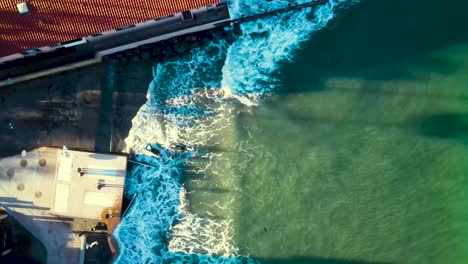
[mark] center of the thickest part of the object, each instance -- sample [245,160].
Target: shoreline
[68,109]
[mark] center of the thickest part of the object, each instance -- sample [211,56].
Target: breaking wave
[193,100]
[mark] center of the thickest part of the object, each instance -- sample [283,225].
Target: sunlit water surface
[351,146]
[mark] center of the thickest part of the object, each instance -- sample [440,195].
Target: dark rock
[146,56]
[230,37]
[135,59]
[206,41]
[145,47]
[192,38]
[156,51]
[124,60]
[168,53]
[113,60]
[181,48]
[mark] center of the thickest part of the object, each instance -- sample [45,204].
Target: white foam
[254,58]
[186,104]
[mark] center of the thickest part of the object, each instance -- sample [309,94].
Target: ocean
[333,135]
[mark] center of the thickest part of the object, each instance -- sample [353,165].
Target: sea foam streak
[186,104]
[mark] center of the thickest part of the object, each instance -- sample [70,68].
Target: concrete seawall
[65,108]
[92,49]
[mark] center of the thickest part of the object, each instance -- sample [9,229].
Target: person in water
[155,151]
[179,147]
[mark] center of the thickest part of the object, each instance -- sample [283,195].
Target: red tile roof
[55,21]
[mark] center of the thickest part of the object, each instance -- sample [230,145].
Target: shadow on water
[292,260]
[314,260]
[447,126]
[380,40]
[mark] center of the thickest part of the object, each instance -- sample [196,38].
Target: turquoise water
[349,147]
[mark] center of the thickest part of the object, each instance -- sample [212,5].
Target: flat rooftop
[50,21]
[46,194]
[87,184]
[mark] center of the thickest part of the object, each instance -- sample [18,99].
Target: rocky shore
[168,49]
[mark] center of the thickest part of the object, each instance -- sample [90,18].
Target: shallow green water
[363,155]
[358,175]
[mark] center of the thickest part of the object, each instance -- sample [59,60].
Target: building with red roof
[49,22]
[43,37]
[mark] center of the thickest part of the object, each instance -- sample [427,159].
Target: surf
[194,100]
